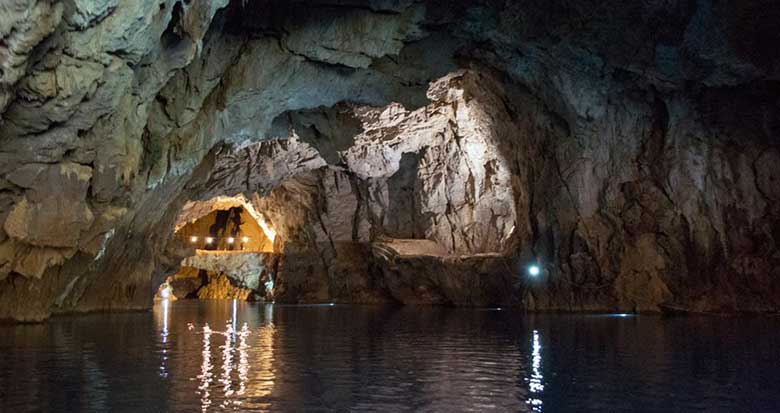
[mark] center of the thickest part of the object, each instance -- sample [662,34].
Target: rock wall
[248,270]
[652,220]
[194,283]
[630,148]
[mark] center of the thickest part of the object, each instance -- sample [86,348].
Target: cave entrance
[230,252]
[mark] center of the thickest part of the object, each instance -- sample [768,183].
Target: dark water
[189,356]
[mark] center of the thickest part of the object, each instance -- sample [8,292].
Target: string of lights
[211,240]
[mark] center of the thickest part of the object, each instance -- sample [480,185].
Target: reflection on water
[228,355]
[535,381]
[235,357]
[164,338]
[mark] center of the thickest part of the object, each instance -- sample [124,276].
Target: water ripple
[219,356]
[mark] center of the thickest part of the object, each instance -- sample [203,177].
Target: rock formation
[412,151]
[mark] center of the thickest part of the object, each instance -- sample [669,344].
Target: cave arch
[638,170]
[329,190]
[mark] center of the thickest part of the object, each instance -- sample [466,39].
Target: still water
[225,355]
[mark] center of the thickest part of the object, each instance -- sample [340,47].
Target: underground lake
[192,355]
[390,205]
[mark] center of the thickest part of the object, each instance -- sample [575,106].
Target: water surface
[225,355]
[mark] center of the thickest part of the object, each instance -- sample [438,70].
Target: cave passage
[414,152]
[232,254]
[377,205]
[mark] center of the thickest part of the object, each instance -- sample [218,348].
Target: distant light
[193,239]
[245,239]
[534,270]
[332,304]
[165,292]
[621,315]
[231,240]
[209,240]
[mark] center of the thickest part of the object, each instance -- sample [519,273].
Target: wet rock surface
[195,283]
[630,148]
[245,269]
[416,272]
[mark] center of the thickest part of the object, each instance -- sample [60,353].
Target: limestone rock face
[220,287]
[245,269]
[418,274]
[630,148]
[190,282]
[439,172]
[353,38]
[23,24]
[52,211]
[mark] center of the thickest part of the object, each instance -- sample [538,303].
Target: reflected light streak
[236,344]
[234,318]
[269,313]
[243,360]
[535,382]
[227,363]
[205,370]
[264,377]
[164,339]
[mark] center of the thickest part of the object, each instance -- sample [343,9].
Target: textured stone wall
[632,146]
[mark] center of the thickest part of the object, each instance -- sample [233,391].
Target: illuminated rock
[630,146]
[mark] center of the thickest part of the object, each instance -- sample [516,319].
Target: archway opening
[364,204]
[231,252]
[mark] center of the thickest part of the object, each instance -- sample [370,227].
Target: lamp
[209,240]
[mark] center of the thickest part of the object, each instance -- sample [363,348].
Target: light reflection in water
[164,338]
[263,372]
[243,360]
[535,384]
[205,375]
[227,363]
[344,358]
[234,318]
[232,385]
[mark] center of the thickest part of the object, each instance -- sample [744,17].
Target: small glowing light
[621,315]
[534,270]
[245,239]
[165,292]
[231,240]
[209,240]
[193,239]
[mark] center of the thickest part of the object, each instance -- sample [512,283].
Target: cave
[234,252]
[596,169]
